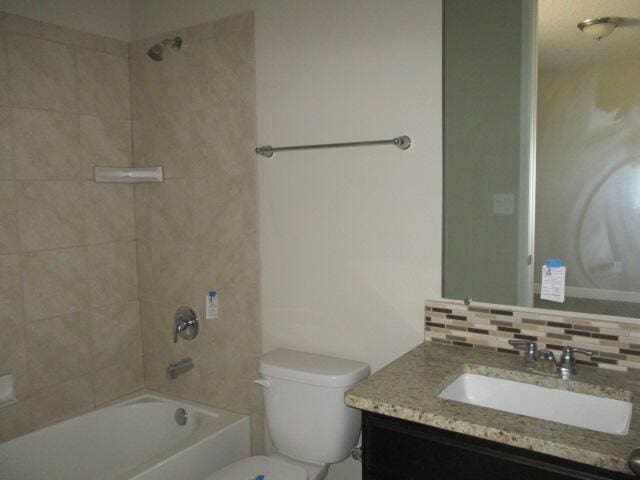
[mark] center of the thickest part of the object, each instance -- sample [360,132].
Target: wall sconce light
[599,27]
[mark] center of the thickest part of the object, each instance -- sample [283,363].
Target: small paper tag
[212,305]
[553,283]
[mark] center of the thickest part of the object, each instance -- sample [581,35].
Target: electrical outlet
[504,203]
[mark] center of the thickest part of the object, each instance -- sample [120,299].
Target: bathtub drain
[181,416]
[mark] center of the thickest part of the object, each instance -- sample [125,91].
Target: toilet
[309,424]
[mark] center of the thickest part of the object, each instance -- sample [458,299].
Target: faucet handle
[567,363]
[569,350]
[530,347]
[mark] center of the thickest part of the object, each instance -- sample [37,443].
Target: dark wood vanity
[395,449]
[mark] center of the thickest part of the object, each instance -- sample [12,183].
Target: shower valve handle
[185,324]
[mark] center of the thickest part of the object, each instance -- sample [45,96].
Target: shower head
[156,52]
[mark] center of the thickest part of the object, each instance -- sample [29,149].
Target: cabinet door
[395,450]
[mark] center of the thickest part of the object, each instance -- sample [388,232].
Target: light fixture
[599,27]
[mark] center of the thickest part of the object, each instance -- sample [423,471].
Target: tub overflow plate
[181,416]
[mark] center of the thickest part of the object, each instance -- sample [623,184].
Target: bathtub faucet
[174,370]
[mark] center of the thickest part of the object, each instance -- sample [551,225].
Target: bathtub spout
[174,370]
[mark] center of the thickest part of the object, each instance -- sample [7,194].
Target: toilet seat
[249,468]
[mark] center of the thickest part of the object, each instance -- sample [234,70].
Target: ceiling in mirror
[561,44]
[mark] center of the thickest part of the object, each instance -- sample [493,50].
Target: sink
[577,409]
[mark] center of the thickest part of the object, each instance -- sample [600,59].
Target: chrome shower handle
[185,324]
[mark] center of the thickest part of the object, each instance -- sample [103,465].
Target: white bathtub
[135,439]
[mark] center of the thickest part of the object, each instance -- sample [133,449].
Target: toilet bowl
[309,424]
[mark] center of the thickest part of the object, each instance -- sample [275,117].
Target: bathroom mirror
[542,152]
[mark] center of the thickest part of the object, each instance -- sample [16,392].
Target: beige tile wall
[69,312]
[194,113]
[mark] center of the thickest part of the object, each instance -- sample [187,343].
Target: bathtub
[136,438]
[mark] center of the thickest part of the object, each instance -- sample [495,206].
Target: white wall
[103,17]
[350,239]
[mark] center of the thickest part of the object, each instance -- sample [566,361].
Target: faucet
[174,370]
[565,365]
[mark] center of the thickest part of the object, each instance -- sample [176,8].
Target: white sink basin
[577,409]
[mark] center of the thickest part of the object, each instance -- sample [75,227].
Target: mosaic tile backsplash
[615,344]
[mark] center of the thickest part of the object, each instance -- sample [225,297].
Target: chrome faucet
[565,365]
[530,352]
[174,370]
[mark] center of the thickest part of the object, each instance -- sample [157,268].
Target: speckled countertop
[408,389]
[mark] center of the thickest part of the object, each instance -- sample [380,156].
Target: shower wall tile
[145,269]
[222,63]
[202,31]
[104,142]
[173,263]
[164,139]
[72,339]
[112,273]
[20,24]
[13,359]
[73,37]
[60,401]
[118,380]
[108,212]
[8,218]
[171,210]
[211,125]
[158,88]
[147,329]
[116,47]
[59,349]
[41,73]
[193,113]
[11,315]
[103,84]
[6,160]
[68,109]
[115,331]
[45,144]
[50,215]
[223,158]
[54,282]
[15,420]
[4,70]
[219,221]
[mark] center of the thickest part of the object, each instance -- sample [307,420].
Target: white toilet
[309,424]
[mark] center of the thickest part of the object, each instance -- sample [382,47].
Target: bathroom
[327,251]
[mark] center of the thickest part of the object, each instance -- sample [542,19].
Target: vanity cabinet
[396,449]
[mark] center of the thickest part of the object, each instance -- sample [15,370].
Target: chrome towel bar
[403,143]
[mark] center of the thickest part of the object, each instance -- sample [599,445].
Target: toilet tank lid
[312,368]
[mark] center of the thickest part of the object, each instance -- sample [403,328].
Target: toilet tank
[304,404]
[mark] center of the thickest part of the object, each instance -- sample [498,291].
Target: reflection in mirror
[587,152]
[488,123]
[588,156]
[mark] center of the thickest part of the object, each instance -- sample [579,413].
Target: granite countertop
[408,389]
